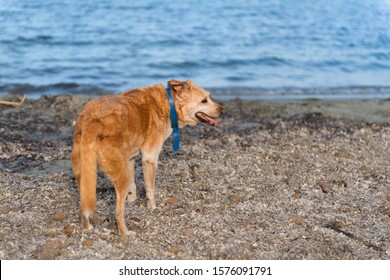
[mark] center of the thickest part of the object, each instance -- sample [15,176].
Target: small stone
[346,209]
[95,221]
[1,236]
[342,154]
[171,201]
[252,226]
[186,231]
[235,198]
[297,219]
[174,250]
[4,209]
[324,186]
[199,208]
[87,243]
[70,229]
[133,226]
[321,210]
[246,245]
[297,194]
[336,225]
[365,169]
[135,220]
[241,257]
[51,233]
[60,217]
[51,249]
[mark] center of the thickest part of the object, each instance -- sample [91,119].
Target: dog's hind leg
[121,193]
[116,166]
[132,188]
[121,181]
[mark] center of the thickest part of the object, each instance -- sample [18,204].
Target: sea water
[239,48]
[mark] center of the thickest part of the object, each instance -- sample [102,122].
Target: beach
[303,179]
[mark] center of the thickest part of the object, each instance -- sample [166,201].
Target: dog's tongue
[212,121]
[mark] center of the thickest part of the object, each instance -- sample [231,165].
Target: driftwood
[13,103]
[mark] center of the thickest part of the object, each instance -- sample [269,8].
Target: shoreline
[274,180]
[352,92]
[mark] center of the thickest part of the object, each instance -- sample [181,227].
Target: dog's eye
[204,100]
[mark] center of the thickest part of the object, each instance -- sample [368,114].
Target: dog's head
[194,104]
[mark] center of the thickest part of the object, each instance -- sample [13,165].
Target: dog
[112,130]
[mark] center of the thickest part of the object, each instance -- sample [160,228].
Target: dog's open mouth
[206,119]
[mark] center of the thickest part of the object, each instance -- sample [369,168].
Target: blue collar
[174,121]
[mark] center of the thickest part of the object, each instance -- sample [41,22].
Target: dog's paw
[86,226]
[151,204]
[128,238]
[131,197]
[127,233]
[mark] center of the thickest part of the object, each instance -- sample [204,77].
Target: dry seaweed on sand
[272,181]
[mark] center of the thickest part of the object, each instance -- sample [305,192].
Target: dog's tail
[88,167]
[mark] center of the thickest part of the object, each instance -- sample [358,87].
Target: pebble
[297,194]
[171,201]
[87,243]
[186,231]
[51,233]
[133,226]
[235,198]
[96,221]
[386,220]
[70,229]
[246,246]
[60,216]
[174,250]
[136,220]
[324,186]
[4,209]
[51,249]
[297,219]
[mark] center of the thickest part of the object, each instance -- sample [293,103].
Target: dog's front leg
[149,164]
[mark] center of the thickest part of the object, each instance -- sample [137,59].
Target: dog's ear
[176,86]
[188,84]
[174,83]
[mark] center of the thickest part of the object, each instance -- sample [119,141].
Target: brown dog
[112,130]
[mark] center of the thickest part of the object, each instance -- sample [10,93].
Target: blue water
[265,47]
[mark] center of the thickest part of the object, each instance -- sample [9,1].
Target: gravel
[275,180]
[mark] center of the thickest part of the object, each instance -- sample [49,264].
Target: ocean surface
[237,48]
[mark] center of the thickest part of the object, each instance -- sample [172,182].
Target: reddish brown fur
[112,130]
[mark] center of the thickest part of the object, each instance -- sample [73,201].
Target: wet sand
[302,179]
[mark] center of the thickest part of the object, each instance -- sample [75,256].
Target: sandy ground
[275,180]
